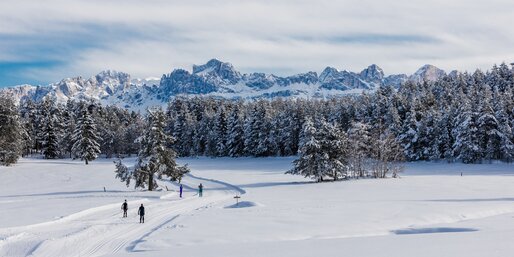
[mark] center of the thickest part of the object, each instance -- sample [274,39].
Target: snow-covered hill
[215,78]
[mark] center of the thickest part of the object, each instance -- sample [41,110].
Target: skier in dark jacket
[181,190]
[124,207]
[200,190]
[141,213]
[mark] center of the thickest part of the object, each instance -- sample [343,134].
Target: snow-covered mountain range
[215,78]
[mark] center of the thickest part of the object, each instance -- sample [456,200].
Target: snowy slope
[430,211]
[215,78]
[96,230]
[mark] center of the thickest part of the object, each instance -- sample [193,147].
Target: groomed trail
[102,230]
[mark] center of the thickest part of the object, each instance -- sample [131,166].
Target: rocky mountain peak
[372,73]
[327,73]
[215,67]
[427,72]
[112,76]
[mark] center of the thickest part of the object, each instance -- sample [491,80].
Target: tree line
[464,117]
[77,129]
[461,117]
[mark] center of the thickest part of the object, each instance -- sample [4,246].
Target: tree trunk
[150,182]
[86,161]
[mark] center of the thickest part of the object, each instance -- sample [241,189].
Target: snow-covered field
[59,208]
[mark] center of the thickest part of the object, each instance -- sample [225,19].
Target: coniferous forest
[467,117]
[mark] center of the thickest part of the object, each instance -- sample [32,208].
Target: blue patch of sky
[49,50]
[15,73]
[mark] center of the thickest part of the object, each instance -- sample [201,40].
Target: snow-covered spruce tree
[335,144]
[251,133]
[323,152]
[264,146]
[51,148]
[505,129]
[123,172]
[133,131]
[85,138]
[442,145]
[27,110]
[386,155]
[155,159]
[359,148]
[69,125]
[201,139]
[466,147]
[392,120]
[108,128]
[257,130]
[409,136]
[489,135]
[40,126]
[220,132]
[180,126]
[235,140]
[11,132]
[288,134]
[189,135]
[311,162]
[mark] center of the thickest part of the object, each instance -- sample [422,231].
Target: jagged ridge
[215,78]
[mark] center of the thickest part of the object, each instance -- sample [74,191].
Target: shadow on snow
[505,199]
[412,231]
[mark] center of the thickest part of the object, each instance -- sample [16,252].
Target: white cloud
[148,38]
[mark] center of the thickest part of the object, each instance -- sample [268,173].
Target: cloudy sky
[45,41]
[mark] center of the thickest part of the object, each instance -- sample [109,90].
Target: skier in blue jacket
[180,190]
[200,190]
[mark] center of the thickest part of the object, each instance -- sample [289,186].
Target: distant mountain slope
[215,78]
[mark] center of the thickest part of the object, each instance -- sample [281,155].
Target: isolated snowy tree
[311,162]
[123,172]
[85,138]
[323,152]
[155,159]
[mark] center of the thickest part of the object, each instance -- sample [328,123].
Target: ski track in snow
[102,230]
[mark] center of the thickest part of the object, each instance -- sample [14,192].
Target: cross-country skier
[124,207]
[200,190]
[141,213]
[181,190]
